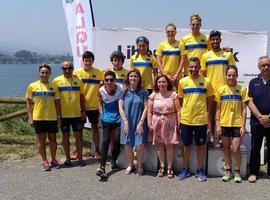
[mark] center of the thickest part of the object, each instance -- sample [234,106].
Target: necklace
[44,93]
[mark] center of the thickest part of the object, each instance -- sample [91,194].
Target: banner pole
[92,13]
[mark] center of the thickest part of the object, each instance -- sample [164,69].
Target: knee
[235,150]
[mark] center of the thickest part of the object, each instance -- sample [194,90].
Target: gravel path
[24,180]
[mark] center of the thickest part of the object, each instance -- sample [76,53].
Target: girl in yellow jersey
[144,62]
[231,120]
[43,108]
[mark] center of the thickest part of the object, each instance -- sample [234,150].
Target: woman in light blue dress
[133,111]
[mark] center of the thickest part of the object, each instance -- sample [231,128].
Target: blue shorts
[199,132]
[230,131]
[76,123]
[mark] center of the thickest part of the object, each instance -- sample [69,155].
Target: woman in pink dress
[163,108]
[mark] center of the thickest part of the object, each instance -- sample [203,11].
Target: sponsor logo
[75,83]
[94,76]
[201,84]
[237,91]
[202,40]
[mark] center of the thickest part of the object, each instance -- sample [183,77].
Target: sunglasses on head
[67,68]
[109,79]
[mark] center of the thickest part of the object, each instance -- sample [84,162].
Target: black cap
[214,33]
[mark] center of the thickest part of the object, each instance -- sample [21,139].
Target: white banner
[80,27]
[247,46]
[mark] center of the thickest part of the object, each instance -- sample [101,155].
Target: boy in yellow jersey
[231,114]
[145,63]
[91,78]
[43,107]
[118,59]
[214,64]
[72,110]
[194,44]
[169,55]
[196,95]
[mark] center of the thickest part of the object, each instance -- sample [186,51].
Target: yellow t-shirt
[170,56]
[145,64]
[231,99]
[215,65]
[91,83]
[43,96]
[120,75]
[70,90]
[194,93]
[194,46]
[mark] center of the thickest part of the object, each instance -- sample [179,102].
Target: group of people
[188,89]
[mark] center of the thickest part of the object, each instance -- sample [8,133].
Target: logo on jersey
[237,91]
[201,84]
[75,83]
[176,47]
[202,40]
[94,76]
[147,59]
[123,75]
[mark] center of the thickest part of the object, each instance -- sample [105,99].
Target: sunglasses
[109,79]
[67,68]
[265,65]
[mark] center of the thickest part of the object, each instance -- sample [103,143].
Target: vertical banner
[80,28]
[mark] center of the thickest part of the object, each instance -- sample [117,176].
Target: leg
[236,142]
[130,156]
[186,155]
[213,123]
[169,154]
[140,154]
[107,131]
[200,155]
[78,143]
[161,154]
[41,139]
[53,144]
[115,142]
[95,134]
[256,143]
[66,144]
[226,151]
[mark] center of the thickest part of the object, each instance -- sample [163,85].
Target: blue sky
[40,25]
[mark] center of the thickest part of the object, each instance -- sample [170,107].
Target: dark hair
[118,55]
[170,24]
[195,17]
[169,87]
[144,40]
[194,59]
[45,66]
[214,33]
[87,55]
[139,75]
[110,73]
[232,67]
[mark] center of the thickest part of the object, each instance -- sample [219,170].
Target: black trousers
[108,130]
[257,134]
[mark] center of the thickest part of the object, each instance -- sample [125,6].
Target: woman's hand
[242,131]
[139,128]
[126,130]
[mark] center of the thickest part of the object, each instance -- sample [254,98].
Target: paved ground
[25,180]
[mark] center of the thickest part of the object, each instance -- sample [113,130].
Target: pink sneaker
[46,165]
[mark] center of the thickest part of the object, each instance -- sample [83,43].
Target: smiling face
[194,68]
[67,69]
[171,32]
[162,84]
[215,42]
[88,62]
[117,63]
[133,79]
[44,74]
[195,26]
[231,77]
[142,48]
[264,66]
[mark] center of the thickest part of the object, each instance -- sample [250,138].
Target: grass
[18,140]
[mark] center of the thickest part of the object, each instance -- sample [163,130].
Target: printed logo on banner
[69,1]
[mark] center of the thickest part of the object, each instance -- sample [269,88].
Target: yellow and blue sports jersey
[145,64]
[91,82]
[194,46]
[231,99]
[170,56]
[70,90]
[43,96]
[120,75]
[194,93]
[215,65]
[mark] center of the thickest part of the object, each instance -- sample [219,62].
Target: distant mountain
[9,48]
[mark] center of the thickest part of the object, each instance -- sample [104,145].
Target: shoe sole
[201,180]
